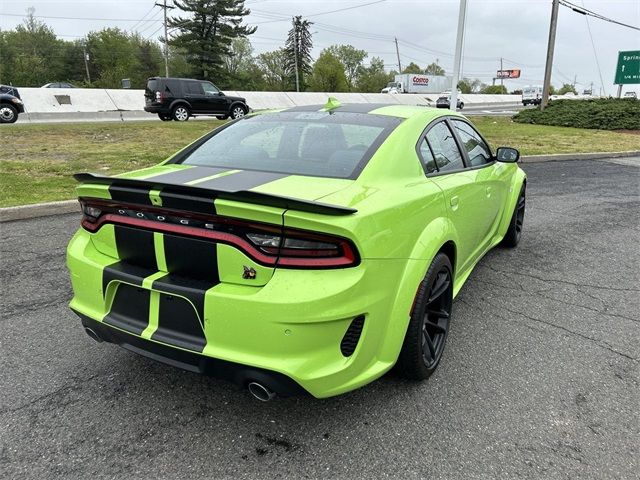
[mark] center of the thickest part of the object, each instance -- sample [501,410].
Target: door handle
[453,201]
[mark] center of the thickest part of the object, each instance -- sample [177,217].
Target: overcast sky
[516,30]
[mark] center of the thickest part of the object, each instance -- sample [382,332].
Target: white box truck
[417,83]
[532,95]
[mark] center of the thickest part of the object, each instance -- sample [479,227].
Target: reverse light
[266,244]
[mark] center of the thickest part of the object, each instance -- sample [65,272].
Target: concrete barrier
[43,104]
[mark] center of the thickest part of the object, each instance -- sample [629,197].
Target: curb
[577,156]
[24,212]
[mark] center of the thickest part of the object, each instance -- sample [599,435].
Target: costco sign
[420,80]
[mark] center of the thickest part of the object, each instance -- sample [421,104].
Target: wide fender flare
[517,180]
[434,236]
[238,102]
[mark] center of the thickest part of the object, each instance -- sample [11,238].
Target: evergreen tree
[206,33]
[298,49]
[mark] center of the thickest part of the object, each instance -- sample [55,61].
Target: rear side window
[444,147]
[477,150]
[428,160]
[315,143]
[194,88]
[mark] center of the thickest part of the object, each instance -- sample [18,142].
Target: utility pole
[86,61]
[398,55]
[295,53]
[501,79]
[165,7]
[549,65]
[457,61]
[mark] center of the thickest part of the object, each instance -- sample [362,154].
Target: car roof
[401,111]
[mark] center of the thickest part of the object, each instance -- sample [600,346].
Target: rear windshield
[298,143]
[152,85]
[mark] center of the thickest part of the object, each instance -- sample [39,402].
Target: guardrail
[92,100]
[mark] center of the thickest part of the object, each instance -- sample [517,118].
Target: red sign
[420,80]
[508,74]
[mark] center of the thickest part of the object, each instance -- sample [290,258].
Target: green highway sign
[628,70]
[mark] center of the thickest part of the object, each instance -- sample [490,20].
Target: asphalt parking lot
[540,378]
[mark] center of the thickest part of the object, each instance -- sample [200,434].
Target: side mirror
[507,155]
[220,93]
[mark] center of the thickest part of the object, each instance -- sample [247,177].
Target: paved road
[540,378]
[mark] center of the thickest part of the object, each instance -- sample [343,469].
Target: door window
[444,147]
[209,88]
[478,151]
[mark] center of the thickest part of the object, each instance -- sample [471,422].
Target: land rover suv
[181,98]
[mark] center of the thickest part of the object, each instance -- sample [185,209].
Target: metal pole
[549,65]
[86,61]
[457,61]
[398,55]
[619,90]
[501,79]
[166,42]
[295,53]
[165,7]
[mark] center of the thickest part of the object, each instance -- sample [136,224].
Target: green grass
[38,161]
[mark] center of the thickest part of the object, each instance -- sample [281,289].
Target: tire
[180,113]
[237,111]
[8,113]
[514,232]
[164,118]
[222,117]
[461,105]
[428,327]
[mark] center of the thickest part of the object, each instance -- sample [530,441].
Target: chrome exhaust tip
[262,393]
[93,334]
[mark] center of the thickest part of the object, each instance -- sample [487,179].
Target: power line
[145,16]
[593,45]
[80,18]
[276,19]
[591,13]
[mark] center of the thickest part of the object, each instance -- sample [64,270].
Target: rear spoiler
[207,193]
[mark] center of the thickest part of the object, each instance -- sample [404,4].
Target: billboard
[508,74]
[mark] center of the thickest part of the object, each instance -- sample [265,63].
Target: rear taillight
[269,245]
[159,97]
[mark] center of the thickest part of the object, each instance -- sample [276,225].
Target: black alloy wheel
[514,232]
[426,335]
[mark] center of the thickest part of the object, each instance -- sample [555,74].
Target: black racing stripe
[189,288]
[124,272]
[245,180]
[136,195]
[130,309]
[136,247]
[192,258]
[188,203]
[184,175]
[178,324]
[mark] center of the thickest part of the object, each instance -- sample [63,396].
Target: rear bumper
[236,373]
[156,109]
[292,326]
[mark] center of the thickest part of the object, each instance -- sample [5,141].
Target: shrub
[601,113]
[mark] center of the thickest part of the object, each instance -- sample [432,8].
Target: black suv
[181,98]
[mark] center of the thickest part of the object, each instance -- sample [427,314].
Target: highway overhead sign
[628,70]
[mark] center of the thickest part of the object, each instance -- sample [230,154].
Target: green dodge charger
[300,251]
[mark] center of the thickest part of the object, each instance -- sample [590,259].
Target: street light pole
[165,7]
[552,42]
[457,61]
